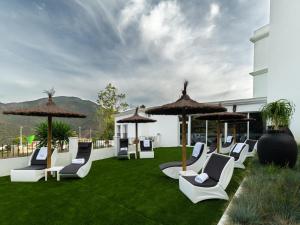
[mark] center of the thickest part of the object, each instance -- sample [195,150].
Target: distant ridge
[10,125]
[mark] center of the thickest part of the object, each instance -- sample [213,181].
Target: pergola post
[184,142]
[136,138]
[49,141]
[218,136]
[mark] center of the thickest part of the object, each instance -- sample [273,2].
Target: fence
[16,150]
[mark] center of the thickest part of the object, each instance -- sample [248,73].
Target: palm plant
[60,133]
[278,113]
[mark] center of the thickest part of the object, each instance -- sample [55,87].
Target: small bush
[270,195]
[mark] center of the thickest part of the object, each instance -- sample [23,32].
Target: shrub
[270,195]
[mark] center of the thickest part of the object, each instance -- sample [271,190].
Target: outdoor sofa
[123,149]
[146,149]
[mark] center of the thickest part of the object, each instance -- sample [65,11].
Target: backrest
[84,150]
[251,144]
[124,143]
[229,139]
[198,150]
[238,146]
[34,161]
[215,165]
[146,148]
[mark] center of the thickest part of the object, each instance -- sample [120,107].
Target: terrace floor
[116,192]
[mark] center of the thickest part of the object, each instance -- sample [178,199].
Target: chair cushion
[208,183]
[34,161]
[34,167]
[212,148]
[251,144]
[215,166]
[143,148]
[177,163]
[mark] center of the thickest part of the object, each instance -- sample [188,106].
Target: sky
[146,48]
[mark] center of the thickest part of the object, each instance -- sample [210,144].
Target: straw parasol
[218,117]
[235,122]
[184,106]
[136,119]
[50,109]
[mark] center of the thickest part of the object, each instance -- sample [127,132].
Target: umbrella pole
[184,142]
[234,133]
[136,139]
[49,141]
[218,136]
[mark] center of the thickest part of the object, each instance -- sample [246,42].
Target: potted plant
[278,145]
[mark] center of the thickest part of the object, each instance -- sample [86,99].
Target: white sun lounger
[239,152]
[81,165]
[35,169]
[252,147]
[219,169]
[227,145]
[146,149]
[195,163]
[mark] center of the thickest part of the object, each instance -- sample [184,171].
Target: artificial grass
[116,192]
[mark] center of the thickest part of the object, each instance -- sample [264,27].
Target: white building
[276,73]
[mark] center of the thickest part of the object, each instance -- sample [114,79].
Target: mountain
[10,124]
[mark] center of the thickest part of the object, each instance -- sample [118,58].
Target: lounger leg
[46,175]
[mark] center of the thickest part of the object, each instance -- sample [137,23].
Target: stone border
[224,219]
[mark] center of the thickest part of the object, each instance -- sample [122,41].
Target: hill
[10,124]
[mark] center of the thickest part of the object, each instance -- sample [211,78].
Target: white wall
[166,126]
[284,56]
[260,87]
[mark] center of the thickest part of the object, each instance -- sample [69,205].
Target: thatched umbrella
[234,122]
[136,119]
[218,117]
[184,106]
[50,109]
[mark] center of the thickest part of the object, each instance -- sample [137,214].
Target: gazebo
[136,119]
[218,117]
[49,110]
[184,106]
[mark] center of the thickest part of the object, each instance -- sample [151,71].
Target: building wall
[260,40]
[284,56]
[166,129]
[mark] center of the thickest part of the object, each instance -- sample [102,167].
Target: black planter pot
[278,147]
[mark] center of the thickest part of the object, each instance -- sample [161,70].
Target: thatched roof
[48,109]
[221,116]
[237,121]
[136,118]
[185,105]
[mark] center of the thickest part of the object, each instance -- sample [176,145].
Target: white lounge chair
[252,147]
[211,149]
[79,169]
[239,152]
[195,163]
[36,167]
[227,145]
[146,149]
[219,169]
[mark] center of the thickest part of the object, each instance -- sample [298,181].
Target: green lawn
[116,192]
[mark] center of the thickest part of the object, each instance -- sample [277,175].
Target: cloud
[144,47]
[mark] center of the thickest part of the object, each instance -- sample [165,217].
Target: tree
[110,102]
[60,133]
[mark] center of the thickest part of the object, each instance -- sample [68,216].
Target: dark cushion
[236,155]
[34,161]
[124,143]
[123,152]
[212,148]
[34,167]
[143,148]
[208,183]
[251,144]
[178,163]
[215,166]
